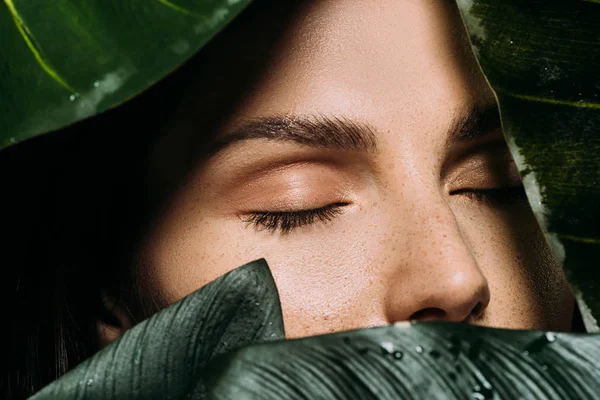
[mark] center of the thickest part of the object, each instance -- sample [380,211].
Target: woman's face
[357,148]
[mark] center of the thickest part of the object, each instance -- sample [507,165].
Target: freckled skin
[404,248]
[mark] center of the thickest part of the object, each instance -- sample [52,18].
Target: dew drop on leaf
[482,393]
[550,337]
[454,346]
[387,348]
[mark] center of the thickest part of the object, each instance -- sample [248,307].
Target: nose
[439,279]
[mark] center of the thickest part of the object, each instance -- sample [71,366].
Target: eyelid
[288,221]
[495,196]
[482,171]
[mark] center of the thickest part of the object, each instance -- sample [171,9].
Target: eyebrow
[478,123]
[334,133]
[338,133]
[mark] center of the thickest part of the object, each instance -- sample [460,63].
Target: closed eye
[287,221]
[495,196]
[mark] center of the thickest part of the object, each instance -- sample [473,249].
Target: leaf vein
[578,104]
[579,239]
[29,40]
[181,9]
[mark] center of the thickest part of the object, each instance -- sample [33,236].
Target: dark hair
[72,208]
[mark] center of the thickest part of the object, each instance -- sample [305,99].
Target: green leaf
[65,60]
[420,361]
[195,349]
[161,357]
[542,59]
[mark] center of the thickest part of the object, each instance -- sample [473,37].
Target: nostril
[476,311]
[428,314]
[433,313]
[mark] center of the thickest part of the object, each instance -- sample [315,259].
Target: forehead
[401,66]
[367,58]
[339,56]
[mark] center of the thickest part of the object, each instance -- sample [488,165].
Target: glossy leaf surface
[161,357]
[542,59]
[198,349]
[420,361]
[65,60]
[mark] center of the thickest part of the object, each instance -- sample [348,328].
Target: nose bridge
[435,276]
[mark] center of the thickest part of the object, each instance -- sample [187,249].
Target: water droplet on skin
[89,382]
[74,96]
[257,304]
[511,42]
[398,355]
[419,349]
[96,84]
[550,337]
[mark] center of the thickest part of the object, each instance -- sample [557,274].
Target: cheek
[322,272]
[528,289]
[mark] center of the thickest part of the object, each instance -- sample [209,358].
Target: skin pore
[358,149]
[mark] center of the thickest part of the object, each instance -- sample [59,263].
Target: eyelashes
[495,196]
[287,221]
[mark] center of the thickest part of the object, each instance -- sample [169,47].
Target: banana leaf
[177,354]
[542,59]
[161,358]
[64,60]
